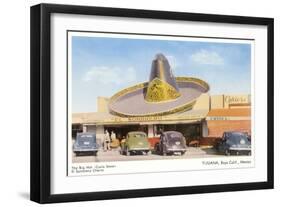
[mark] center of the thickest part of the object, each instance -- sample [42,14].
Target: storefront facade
[209,117]
[229,113]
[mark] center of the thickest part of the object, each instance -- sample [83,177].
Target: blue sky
[101,66]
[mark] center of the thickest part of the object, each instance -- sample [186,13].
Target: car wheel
[156,150]
[128,153]
[226,152]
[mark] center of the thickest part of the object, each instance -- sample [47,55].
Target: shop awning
[103,118]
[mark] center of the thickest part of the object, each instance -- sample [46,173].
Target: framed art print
[132,103]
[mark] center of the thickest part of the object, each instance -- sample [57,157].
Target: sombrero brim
[131,101]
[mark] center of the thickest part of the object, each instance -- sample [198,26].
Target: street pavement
[114,155]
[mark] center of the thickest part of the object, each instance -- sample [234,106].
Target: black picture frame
[41,102]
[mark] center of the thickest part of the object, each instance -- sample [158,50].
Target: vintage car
[135,142]
[85,143]
[171,142]
[234,143]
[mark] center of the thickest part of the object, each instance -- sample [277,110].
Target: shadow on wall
[24,195]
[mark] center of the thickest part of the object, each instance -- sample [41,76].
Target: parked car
[171,142]
[135,142]
[234,143]
[85,143]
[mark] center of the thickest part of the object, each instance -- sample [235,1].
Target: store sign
[154,118]
[217,118]
[227,118]
[145,118]
[138,119]
[237,100]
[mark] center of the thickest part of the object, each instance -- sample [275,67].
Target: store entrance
[76,128]
[122,130]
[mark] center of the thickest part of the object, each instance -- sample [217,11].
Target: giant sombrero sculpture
[164,94]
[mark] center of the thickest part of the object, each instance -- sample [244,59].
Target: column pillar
[100,134]
[205,132]
[84,128]
[150,131]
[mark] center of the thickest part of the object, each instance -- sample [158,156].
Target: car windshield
[173,137]
[238,138]
[85,139]
[135,135]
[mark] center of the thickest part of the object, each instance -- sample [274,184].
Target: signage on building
[153,118]
[227,118]
[218,118]
[137,119]
[237,99]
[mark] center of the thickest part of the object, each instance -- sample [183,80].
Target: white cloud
[106,75]
[207,57]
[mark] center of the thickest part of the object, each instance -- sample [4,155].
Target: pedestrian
[106,143]
[113,136]
[161,131]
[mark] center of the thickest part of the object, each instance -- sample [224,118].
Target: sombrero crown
[163,94]
[162,83]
